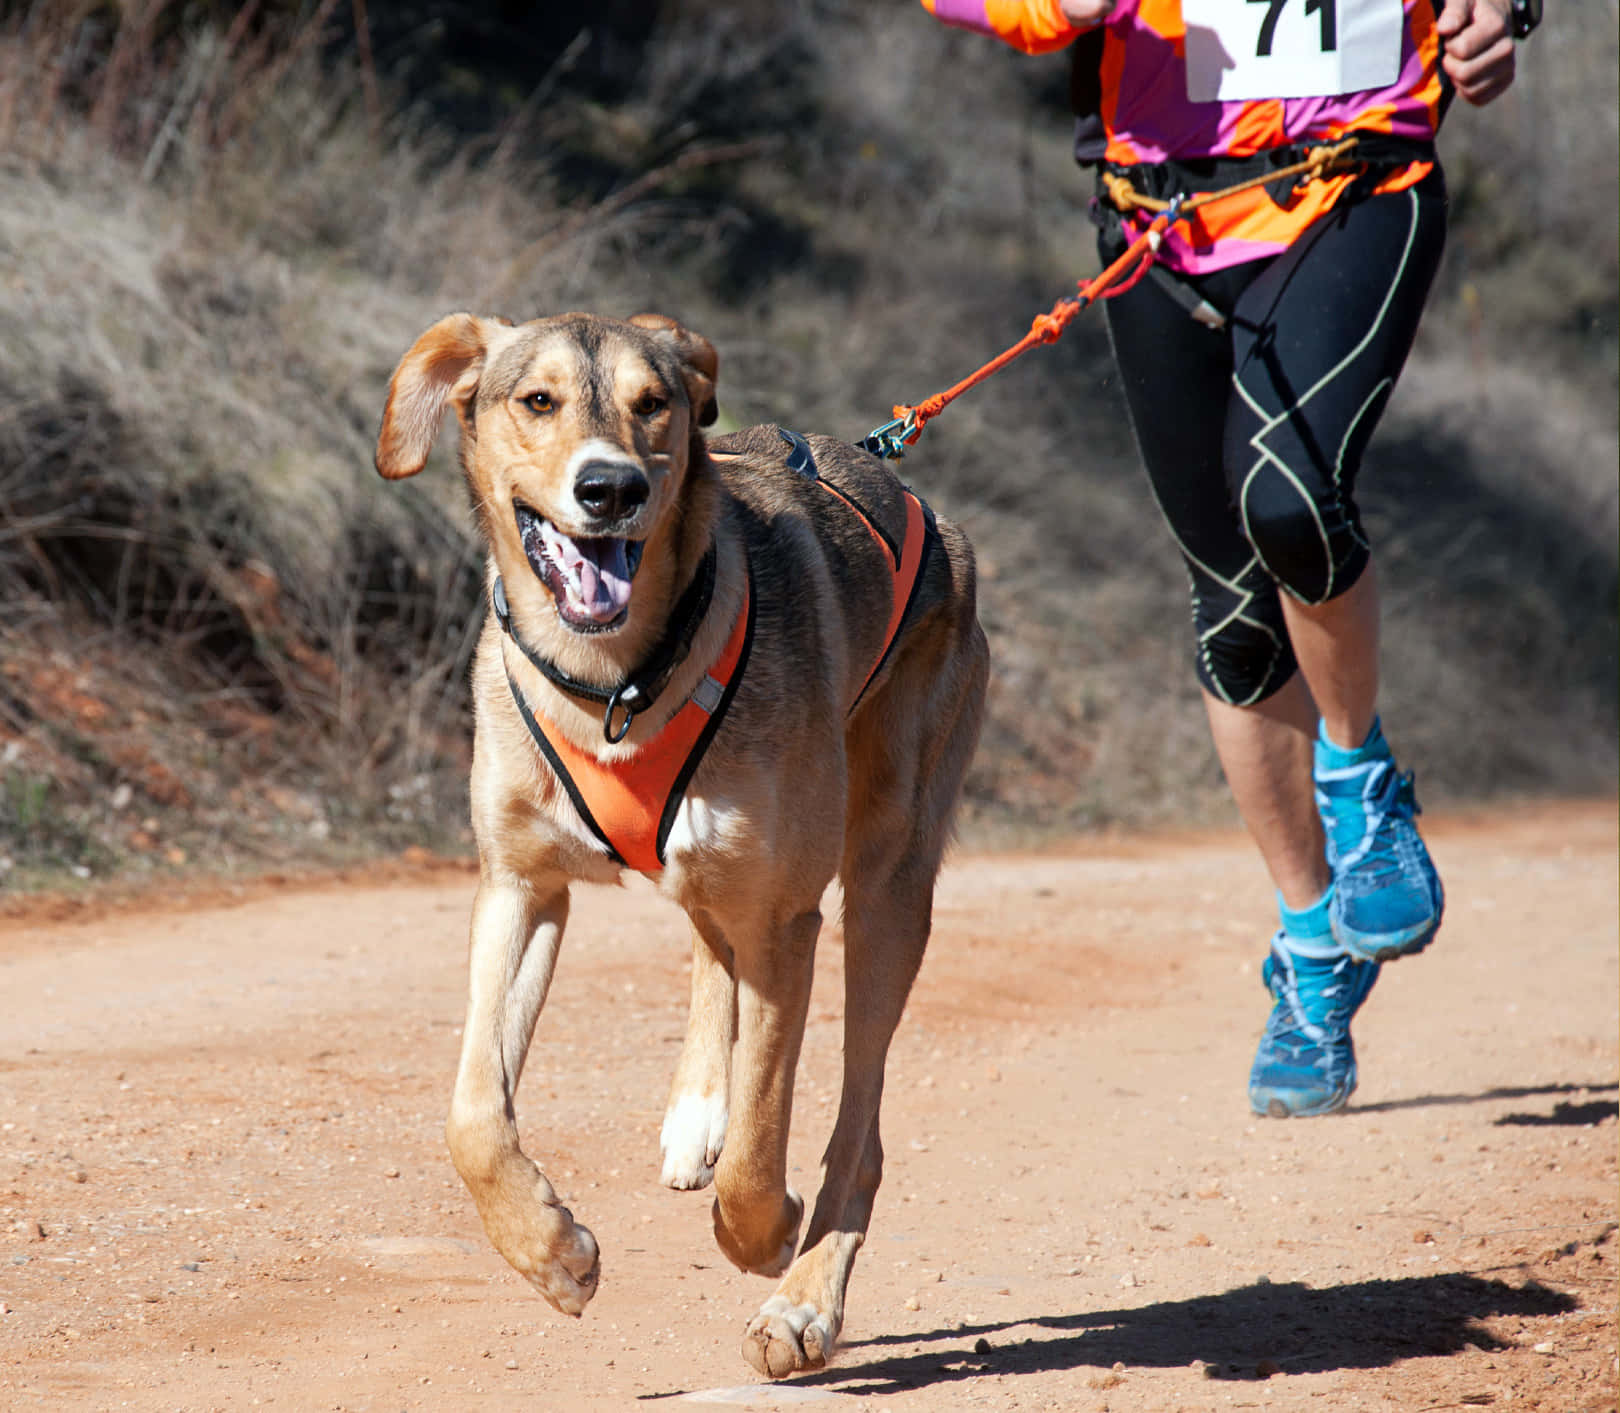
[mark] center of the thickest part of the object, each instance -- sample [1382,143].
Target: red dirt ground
[223,1182]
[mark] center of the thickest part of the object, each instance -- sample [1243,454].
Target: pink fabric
[1154,116]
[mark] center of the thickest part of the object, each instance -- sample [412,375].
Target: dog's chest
[705,823]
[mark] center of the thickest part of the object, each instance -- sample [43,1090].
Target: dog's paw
[785,1338]
[693,1134]
[553,1252]
[765,1253]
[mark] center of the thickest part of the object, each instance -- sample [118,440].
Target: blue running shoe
[1387,898]
[1306,1063]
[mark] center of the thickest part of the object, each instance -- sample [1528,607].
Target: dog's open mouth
[589,576]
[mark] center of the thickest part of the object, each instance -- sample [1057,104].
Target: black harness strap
[677,792]
[641,688]
[930,539]
[561,771]
[801,459]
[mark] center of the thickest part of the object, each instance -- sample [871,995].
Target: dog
[741,667]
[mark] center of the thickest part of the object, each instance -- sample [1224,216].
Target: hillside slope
[225,637]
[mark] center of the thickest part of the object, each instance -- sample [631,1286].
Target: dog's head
[577,436]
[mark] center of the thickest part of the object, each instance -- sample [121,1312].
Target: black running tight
[1253,434]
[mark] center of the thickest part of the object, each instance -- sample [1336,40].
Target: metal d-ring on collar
[640,689]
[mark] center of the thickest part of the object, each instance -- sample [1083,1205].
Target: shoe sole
[1384,946]
[1275,1108]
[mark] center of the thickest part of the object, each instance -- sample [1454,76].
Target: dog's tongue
[595,573]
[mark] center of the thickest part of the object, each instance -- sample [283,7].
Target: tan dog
[734,596]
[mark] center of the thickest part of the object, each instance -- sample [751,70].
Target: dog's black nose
[610,490]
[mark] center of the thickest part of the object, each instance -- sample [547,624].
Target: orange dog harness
[630,804]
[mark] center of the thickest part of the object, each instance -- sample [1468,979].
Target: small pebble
[981,1346]
[511,1363]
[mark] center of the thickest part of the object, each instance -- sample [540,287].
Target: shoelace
[1388,798]
[1302,1025]
[1396,800]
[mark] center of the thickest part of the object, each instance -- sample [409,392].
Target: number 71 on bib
[1245,49]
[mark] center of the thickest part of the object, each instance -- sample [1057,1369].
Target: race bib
[1240,49]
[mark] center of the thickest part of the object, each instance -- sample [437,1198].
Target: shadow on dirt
[1251,1332]
[1564,1115]
[1425,1101]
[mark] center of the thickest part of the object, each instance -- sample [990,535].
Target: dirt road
[223,1182]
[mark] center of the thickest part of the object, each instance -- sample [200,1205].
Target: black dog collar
[641,688]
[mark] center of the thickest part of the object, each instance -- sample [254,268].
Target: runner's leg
[1319,338]
[1176,375]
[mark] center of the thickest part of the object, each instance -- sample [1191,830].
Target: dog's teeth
[591,575]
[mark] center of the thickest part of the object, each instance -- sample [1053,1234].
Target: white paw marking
[693,1134]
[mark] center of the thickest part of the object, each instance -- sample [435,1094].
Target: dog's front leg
[516,931]
[695,1120]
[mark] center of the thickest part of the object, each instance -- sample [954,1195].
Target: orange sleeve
[1034,26]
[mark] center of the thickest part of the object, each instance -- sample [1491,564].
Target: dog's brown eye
[649,405]
[539,402]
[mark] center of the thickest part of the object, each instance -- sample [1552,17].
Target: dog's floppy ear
[700,364]
[445,363]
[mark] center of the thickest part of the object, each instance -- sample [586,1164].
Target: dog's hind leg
[695,1121]
[895,837]
[885,932]
[516,931]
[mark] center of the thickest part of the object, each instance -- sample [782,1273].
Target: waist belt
[1374,152]
[630,804]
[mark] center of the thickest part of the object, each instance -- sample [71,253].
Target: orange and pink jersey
[1152,60]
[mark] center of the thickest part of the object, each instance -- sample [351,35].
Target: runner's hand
[1083,14]
[1479,47]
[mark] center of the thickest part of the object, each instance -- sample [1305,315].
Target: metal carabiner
[891,439]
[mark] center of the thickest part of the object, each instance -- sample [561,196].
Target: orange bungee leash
[892,438]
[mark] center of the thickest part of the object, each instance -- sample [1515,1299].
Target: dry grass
[224,636]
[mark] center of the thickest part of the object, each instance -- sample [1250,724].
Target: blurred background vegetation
[224,641]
